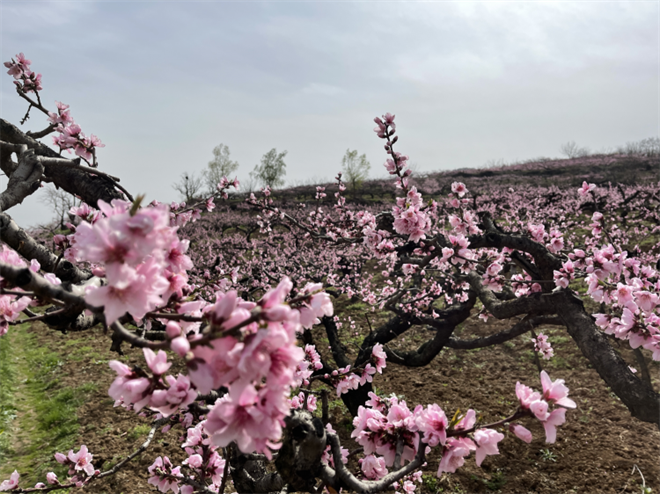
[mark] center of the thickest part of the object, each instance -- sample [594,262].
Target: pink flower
[556,391]
[624,294]
[373,467]
[177,395]
[467,422]
[540,409]
[555,419]
[586,188]
[127,386]
[459,188]
[521,432]
[542,345]
[526,395]
[433,423]
[646,301]
[322,304]
[160,470]
[380,357]
[136,291]
[277,295]
[454,454]
[157,362]
[11,483]
[195,461]
[82,460]
[240,416]
[352,381]
[52,478]
[486,440]
[180,345]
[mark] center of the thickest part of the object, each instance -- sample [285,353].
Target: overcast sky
[162,83]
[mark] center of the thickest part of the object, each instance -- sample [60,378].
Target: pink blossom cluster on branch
[25,80]
[71,136]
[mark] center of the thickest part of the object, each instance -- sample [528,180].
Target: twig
[536,353]
[225,473]
[38,317]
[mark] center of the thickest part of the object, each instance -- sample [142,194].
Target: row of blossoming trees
[253,373]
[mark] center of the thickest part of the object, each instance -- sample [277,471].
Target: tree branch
[90,188]
[29,248]
[535,303]
[522,327]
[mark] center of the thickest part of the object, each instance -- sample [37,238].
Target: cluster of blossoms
[224,184]
[345,382]
[307,366]
[257,364]
[71,136]
[165,394]
[623,283]
[143,259]
[542,345]
[25,80]
[80,466]
[378,241]
[565,275]
[555,239]
[598,224]
[465,225]
[250,348]
[409,217]
[10,305]
[203,463]
[554,393]
[81,471]
[384,423]
[407,484]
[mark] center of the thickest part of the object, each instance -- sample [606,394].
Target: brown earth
[596,450]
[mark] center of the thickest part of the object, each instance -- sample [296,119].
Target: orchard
[240,313]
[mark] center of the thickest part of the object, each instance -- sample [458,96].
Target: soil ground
[596,450]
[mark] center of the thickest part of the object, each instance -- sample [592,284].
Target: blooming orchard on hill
[237,310]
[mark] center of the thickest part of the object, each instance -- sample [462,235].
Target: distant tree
[355,169]
[60,201]
[572,150]
[189,186]
[220,166]
[272,169]
[646,147]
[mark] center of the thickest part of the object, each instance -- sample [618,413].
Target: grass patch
[138,432]
[42,411]
[8,382]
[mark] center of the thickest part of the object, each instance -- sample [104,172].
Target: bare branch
[25,179]
[521,327]
[342,476]
[29,248]
[90,188]
[535,303]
